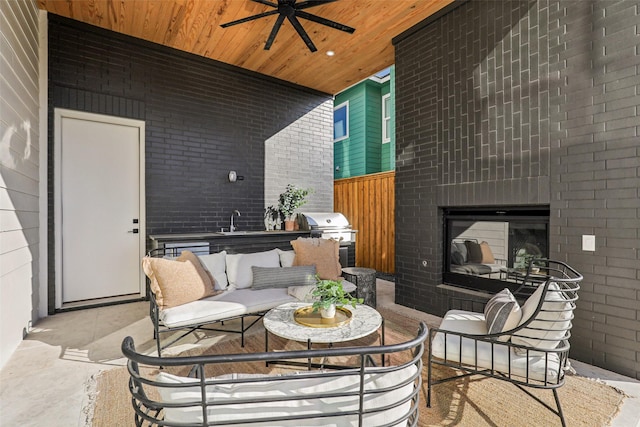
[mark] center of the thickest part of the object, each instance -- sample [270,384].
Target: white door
[100,215]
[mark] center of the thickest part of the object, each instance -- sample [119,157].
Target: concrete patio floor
[48,379]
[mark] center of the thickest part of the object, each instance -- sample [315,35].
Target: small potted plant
[292,198]
[271,217]
[329,295]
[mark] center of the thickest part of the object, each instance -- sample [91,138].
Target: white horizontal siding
[19,171]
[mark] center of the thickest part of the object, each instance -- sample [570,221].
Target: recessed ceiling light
[330,53]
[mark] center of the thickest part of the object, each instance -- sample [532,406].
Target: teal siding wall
[363,151]
[373,128]
[349,153]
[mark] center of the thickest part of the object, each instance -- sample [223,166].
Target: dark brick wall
[527,103]
[203,118]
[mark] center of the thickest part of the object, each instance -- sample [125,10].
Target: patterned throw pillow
[502,313]
[283,277]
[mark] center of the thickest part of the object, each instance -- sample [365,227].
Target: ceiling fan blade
[303,34]
[323,21]
[312,3]
[274,32]
[250,18]
[267,2]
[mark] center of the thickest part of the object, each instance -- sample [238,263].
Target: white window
[341,121]
[386,118]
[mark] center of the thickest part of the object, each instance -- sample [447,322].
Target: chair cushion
[323,253]
[550,325]
[216,264]
[175,283]
[297,390]
[283,277]
[488,355]
[502,313]
[239,266]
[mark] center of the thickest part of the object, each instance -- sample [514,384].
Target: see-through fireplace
[489,248]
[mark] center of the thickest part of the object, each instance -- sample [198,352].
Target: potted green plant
[292,198]
[271,217]
[330,294]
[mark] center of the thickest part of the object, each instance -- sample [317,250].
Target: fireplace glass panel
[493,246]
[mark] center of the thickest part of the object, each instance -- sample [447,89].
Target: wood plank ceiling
[194,26]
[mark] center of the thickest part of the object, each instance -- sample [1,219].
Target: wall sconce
[233,176]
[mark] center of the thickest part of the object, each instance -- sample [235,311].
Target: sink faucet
[232,228]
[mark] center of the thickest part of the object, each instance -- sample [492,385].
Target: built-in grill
[328,225]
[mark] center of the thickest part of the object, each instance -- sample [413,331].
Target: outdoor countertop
[221,234]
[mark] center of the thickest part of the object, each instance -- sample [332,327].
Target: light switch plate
[588,242]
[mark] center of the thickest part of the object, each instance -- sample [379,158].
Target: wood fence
[368,202]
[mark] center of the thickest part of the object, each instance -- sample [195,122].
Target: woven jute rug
[471,401]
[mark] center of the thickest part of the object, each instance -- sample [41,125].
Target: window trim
[337,107]
[386,138]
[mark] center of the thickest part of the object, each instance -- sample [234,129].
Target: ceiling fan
[292,11]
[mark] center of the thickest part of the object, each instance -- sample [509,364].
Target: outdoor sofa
[191,291]
[361,394]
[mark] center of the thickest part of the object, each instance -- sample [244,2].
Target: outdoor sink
[238,233]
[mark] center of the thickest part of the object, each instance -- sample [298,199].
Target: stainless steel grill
[328,225]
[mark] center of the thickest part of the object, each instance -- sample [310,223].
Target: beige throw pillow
[204,274]
[487,255]
[323,253]
[175,282]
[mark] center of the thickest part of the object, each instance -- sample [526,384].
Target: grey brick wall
[528,103]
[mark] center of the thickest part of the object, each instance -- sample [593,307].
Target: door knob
[134,231]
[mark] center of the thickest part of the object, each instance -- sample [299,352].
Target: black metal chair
[534,354]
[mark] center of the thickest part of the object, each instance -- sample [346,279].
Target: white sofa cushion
[239,266]
[485,354]
[216,265]
[286,258]
[300,387]
[550,324]
[231,303]
[502,313]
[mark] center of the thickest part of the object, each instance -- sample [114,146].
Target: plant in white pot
[330,294]
[292,198]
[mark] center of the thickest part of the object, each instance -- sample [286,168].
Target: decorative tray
[307,317]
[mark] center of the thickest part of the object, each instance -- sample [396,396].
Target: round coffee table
[280,321]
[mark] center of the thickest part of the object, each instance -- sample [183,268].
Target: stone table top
[279,321]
